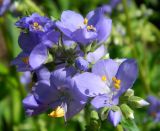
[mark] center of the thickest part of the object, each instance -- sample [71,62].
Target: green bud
[115,108]
[129,93]
[127,111]
[104,113]
[137,102]
[94,115]
[125,97]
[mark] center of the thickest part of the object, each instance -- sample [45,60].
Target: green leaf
[130,125]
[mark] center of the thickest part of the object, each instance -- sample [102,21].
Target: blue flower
[107,82]
[33,42]
[85,30]
[58,95]
[36,23]
[114,117]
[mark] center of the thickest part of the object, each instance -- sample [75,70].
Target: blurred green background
[135,34]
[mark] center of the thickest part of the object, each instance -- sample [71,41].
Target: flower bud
[114,117]
[137,102]
[129,93]
[115,108]
[94,115]
[127,111]
[104,113]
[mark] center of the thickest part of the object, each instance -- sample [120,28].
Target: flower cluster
[69,68]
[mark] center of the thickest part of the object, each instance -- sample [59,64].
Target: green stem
[133,48]
[33,6]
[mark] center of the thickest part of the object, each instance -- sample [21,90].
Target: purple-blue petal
[30,101]
[38,56]
[93,57]
[103,27]
[127,73]
[114,117]
[27,41]
[107,9]
[51,38]
[90,84]
[68,42]
[94,16]
[73,108]
[64,29]
[42,73]
[83,36]
[102,101]
[107,68]
[81,64]
[101,23]
[21,23]
[62,76]
[71,19]
[44,93]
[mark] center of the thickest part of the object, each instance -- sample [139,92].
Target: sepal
[94,115]
[137,102]
[104,113]
[127,111]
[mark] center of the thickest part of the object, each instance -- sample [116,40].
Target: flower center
[58,112]
[89,27]
[117,82]
[25,60]
[103,78]
[37,26]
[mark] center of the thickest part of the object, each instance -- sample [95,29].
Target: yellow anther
[58,112]
[117,86]
[85,21]
[91,27]
[35,24]
[114,79]
[88,27]
[25,60]
[103,78]
[118,81]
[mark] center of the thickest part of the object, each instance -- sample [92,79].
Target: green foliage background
[135,34]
